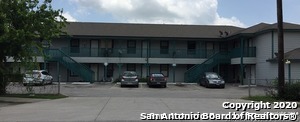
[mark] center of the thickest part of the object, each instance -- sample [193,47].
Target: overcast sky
[242,13]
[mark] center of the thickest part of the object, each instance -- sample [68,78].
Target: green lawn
[36,96]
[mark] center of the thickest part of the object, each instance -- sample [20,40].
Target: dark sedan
[129,78]
[157,79]
[212,79]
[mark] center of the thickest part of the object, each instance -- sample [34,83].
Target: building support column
[57,70]
[288,62]
[218,67]
[272,55]
[242,62]
[119,68]
[147,69]
[174,66]
[147,59]
[46,46]
[45,52]
[290,80]
[105,71]
[58,78]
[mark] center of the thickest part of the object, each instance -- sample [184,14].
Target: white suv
[37,77]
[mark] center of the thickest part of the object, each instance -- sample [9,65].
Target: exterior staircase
[83,71]
[194,73]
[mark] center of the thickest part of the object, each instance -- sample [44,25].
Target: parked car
[129,78]
[212,79]
[157,79]
[37,77]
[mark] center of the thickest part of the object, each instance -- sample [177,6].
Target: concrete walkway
[114,108]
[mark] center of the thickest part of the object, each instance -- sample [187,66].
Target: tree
[24,24]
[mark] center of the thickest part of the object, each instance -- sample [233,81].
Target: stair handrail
[76,61]
[81,65]
[209,59]
[202,62]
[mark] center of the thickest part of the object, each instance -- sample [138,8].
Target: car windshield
[212,75]
[129,74]
[157,75]
[45,73]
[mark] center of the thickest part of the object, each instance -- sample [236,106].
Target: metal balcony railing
[138,52]
[247,52]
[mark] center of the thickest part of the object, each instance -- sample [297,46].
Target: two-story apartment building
[102,51]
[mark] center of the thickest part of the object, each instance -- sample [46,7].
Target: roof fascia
[249,35]
[147,38]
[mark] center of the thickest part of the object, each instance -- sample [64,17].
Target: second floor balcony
[246,52]
[138,52]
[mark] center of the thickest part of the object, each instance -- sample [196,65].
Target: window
[131,67]
[131,47]
[164,69]
[45,73]
[75,46]
[164,47]
[191,47]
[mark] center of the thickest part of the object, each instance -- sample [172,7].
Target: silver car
[129,78]
[37,77]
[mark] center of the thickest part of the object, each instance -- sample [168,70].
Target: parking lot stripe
[102,109]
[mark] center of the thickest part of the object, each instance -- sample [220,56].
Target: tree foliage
[24,24]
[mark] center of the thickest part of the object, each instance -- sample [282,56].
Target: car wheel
[223,86]
[42,83]
[206,85]
[25,84]
[164,86]
[122,85]
[200,83]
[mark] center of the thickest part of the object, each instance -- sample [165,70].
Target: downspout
[242,62]
[272,55]
[174,56]
[147,58]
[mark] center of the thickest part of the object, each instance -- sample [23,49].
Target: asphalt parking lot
[231,91]
[110,102]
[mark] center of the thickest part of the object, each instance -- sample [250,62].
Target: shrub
[292,91]
[6,78]
[16,77]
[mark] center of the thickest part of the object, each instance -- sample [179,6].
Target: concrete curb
[21,100]
[81,83]
[246,86]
